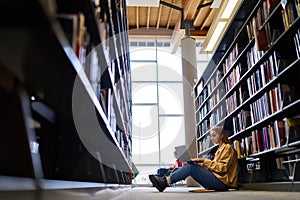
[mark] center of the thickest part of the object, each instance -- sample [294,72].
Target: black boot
[159,183]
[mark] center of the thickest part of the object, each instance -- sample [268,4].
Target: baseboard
[272,186]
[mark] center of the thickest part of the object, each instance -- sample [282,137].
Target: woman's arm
[221,162]
[197,160]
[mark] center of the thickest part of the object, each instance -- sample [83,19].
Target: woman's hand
[197,160]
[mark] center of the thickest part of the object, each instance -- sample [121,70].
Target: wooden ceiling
[165,21]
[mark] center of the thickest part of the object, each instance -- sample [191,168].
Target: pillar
[189,75]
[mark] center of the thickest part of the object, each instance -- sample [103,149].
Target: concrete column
[189,74]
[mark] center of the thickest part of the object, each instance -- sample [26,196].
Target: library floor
[147,193]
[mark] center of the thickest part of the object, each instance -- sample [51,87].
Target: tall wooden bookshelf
[251,88]
[64,94]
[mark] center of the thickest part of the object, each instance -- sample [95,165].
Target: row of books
[203,127]
[268,104]
[229,61]
[233,101]
[234,76]
[217,115]
[216,97]
[274,135]
[205,143]
[211,103]
[214,118]
[124,142]
[202,97]
[103,24]
[78,37]
[76,33]
[290,13]
[266,138]
[107,103]
[204,92]
[204,111]
[264,33]
[297,43]
[214,81]
[263,75]
[241,121]
[122,97]
[253,56]
[271,102]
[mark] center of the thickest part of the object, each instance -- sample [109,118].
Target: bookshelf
[65,95]
[251,88]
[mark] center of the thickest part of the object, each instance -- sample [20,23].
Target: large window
[157,104]
[157,107]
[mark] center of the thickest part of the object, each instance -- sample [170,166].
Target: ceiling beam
[200,17]
[190,9]
[148,18]
[159,16]
[198,34]
[171,5]
[169,18]
[137,17]
[144,33]
[208,20]
[205,4]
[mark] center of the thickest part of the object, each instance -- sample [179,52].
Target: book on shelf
[238,148]
[290,13]
[106,101]
[260,35]
[297,43]
[271,5]
[272,136]
[76,33]
[69,23]
[280,134]
[259,141]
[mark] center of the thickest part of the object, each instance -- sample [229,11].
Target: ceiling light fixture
[215,36]
[229,8]
[216,4]
[221,22]
[143,3]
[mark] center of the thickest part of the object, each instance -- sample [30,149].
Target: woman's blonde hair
[219,130]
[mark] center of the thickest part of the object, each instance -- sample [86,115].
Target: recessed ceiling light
[231,4]
[216,36]
[216,4]
[143,3]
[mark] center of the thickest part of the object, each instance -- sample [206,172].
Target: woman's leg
[200,174]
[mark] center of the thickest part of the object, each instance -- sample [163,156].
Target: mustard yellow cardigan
[224,165]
